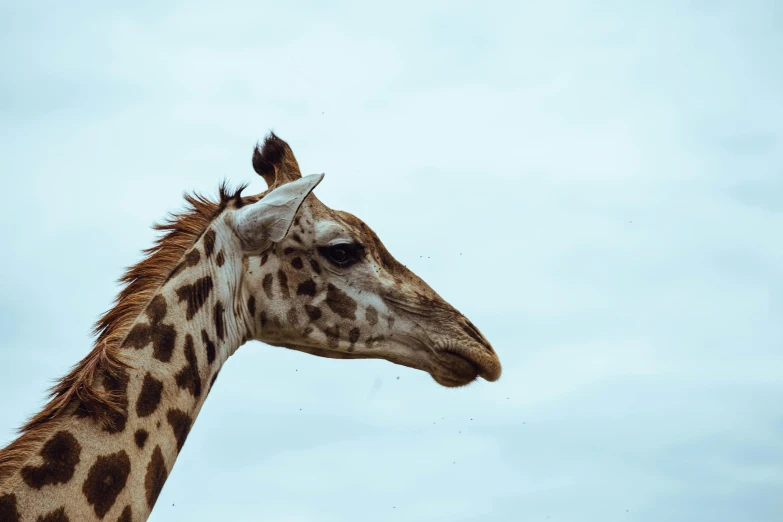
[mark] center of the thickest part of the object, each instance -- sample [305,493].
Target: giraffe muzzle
[458,362]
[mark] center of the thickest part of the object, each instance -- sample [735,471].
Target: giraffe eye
[342,254]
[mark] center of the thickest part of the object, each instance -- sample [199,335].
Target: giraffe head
[320,281]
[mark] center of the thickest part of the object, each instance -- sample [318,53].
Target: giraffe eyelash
[342,254]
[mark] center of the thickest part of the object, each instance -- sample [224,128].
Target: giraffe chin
[453,370]
[457,362]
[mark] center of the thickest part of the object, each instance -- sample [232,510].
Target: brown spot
[332,336]
[297,263]
[8,512]
[307,331]
[372,340]
[296,237]
[288,250]
[180,423]
[140,437]
[162,336]
[105,480]
[139,336]
[192,258]
[188,377]
[60,454]
[155,477]
[353,335]
[390,321]
[214,378]
[371,315]
[316,266]
[149,397]
[209,345]
[126,515]
[282,278]
[221,258]
[292,317]
[219,326]
[117,386]
[264,259]
[263,318]
[209,242]
[156,310]
[58,515]
[251,305]
[340,302]
[306,288]
[313,312]
[112,417]
[195,295]
[266,284]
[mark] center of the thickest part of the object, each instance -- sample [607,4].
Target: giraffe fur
[278,267]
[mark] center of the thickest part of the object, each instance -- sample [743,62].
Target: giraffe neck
[87,471]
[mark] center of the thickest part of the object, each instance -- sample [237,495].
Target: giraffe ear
[275,162]
[269,219]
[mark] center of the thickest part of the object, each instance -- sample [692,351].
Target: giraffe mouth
[456,365]
[454,371]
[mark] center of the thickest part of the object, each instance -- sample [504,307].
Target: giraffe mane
[79,388]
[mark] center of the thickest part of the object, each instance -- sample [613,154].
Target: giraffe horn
[275,162]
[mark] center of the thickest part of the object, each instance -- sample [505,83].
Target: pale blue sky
[597,185]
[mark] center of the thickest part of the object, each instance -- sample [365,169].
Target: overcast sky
[597,185]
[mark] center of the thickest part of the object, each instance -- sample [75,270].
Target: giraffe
[279,267]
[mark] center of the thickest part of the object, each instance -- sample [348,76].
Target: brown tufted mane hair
[80,388]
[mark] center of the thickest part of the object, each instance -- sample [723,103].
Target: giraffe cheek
[340,303]
[292,317]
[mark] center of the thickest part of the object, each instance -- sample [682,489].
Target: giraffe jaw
[450,365]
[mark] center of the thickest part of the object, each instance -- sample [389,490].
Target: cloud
[597,189]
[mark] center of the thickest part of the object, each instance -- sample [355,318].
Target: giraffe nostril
[470,329]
